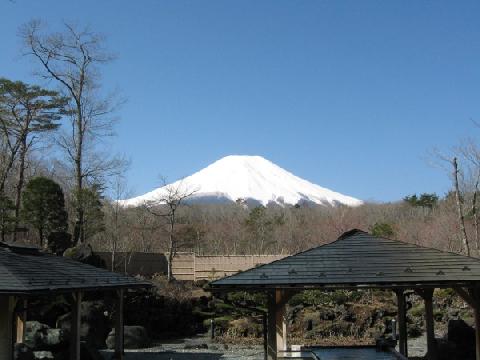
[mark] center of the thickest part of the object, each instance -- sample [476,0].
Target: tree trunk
[79,233]
[461,217]
[475,215]
[171,250]
[113,258]
[40,236]
[19,186]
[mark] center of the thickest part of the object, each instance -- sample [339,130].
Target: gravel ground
[175,350]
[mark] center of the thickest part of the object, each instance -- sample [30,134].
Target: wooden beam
[75,324]
[119,334]
[465,295]
[20,319]
[402,322]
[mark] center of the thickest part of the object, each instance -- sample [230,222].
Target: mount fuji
[250,179]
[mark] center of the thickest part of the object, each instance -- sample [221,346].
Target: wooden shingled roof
[358,259]
[29,271]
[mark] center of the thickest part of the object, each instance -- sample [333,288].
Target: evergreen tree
[7,218]
[44,207]
[90,200]
[25,112]
[382,230]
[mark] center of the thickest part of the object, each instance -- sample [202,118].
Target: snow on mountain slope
[251,178]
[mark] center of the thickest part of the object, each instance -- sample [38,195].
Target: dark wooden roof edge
[313,286]
[57,290]
[273,262]
[344,235]
[349,233]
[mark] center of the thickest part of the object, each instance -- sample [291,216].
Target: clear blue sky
[350,95]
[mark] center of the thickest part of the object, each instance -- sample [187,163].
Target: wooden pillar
[402,322]
[75,324]
[476,313]
[20,319]
[265,337]
[472,297]
[427,295]
[281,324]
[271,328]
[119,335]
[276,324]
[7,305]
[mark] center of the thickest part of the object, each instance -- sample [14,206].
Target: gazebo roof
[29,271]
[357,259]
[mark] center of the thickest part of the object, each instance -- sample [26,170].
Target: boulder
[462,336]
[39,336]
[135,337]
[88,353]
[193,345]
[22,352]
[43,355]
[84,254]
[94,326]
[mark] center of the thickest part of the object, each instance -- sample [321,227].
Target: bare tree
[475,214]
[459,201]
[71,59]
[166,206]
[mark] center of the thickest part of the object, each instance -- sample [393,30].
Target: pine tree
[90,200]
[25,112]
[44,207]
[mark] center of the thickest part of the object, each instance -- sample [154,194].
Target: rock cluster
[43,342]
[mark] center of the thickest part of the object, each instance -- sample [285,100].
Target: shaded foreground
[175,350]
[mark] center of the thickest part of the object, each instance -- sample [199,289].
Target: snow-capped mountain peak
[249,178]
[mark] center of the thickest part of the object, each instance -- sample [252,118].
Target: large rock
[41,337]
[94,326]
[22,352]
[84,254]
[135,337]
[43,355]
[87,351]
[462,336]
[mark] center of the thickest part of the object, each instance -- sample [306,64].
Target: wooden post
[271,328]
[402,322]
[119,344]
[476,313]
[21,318]
[281,324]
[75,324]
[472,297]
[265,337]
[276,323]
[427,295]
[7,305]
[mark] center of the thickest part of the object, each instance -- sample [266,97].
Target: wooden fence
[186,266]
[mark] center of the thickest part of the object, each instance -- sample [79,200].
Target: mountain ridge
[248,178]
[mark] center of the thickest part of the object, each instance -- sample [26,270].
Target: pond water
[353,354]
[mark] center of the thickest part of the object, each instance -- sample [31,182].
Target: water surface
[353,354]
